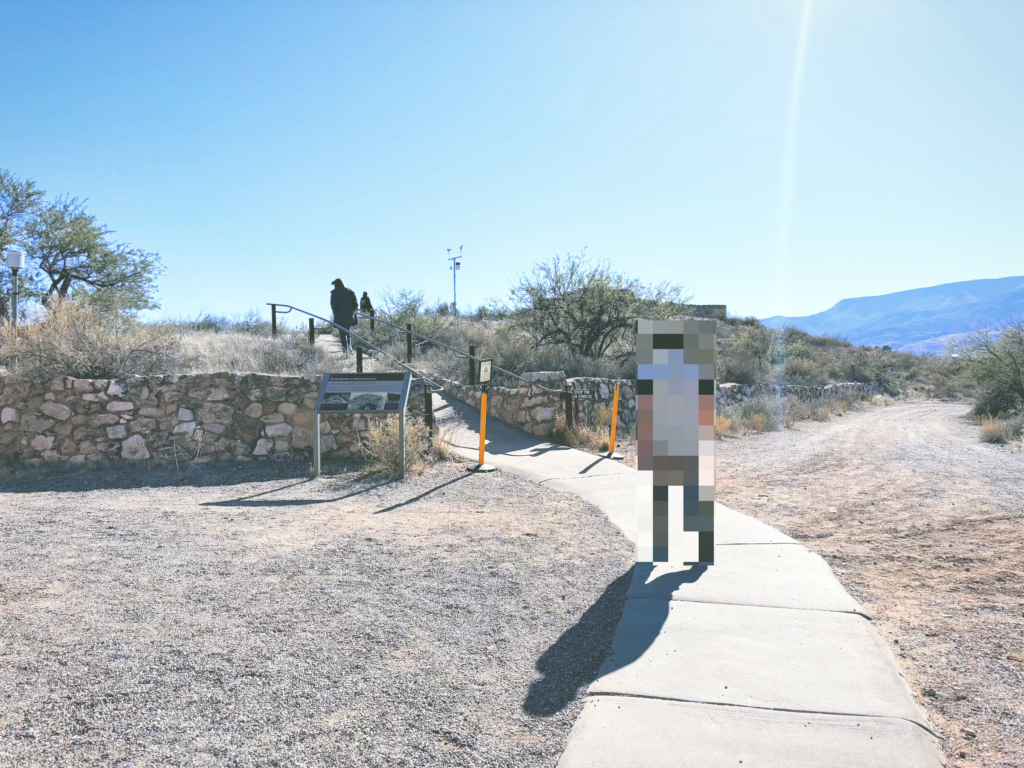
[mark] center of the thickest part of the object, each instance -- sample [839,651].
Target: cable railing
[458,352]
[368,343]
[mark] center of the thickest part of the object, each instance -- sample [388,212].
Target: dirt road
[925,526]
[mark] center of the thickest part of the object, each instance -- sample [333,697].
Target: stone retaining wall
[536,411]
[529,408]
[227,416]
[603,397]
[224,416]
[727,394]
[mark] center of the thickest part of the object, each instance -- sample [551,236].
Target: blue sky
[264,150]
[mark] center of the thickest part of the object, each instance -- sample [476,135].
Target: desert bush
[580,436]
[71,339]
[992,432]
[758,422]
[994,361]
[381,446]
[772,411]
[723,425]
[1001,431]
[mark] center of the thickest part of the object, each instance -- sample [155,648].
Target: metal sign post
[385,393]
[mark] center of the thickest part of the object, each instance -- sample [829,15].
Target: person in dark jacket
[343,305]
[366,307]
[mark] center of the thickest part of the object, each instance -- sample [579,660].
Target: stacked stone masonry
[220,416]
[223,416]
[536,411]
[727,394]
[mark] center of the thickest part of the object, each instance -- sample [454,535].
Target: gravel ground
[252,617]
[925,526]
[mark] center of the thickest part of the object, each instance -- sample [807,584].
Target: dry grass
[1002,431]
[74,340]
[991,432]
[287,353]
[723,425]
[581,436]
[759,422]
[382,452]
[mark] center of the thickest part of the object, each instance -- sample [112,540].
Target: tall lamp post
[16,261]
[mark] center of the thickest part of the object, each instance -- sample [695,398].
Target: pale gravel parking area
[925,526]
[251,617]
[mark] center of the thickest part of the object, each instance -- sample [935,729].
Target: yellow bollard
[481,466]
[611,454]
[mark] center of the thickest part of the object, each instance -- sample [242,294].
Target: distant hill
[918,320]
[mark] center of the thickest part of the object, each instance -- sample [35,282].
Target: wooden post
[567,402]
[359,359]
[312,333]
[408,342]
[371,320]
[273,319]
[472,364]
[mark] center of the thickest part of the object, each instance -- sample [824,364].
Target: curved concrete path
[761,660]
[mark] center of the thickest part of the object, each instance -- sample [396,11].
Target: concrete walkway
[760,660]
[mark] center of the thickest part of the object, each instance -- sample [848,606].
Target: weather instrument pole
[455,266]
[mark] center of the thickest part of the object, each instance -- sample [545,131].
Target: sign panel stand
[342,393]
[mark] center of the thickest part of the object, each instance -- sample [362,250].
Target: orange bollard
[611,454]
[481,466]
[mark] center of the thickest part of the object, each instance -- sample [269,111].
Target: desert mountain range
[922,320]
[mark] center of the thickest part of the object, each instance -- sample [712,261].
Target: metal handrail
[370,344]
[457,351]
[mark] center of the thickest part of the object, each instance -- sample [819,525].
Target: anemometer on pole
[455,266]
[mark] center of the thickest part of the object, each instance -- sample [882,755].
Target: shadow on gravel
[575,659]
[426,493]
[248,501]
[122,475]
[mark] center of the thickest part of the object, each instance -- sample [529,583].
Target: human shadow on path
[575,659]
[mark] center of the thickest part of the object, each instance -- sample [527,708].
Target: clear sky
[772,155]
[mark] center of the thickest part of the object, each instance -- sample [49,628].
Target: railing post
[567,401]
[273,319]
[359,359]
[472,364]
[371,320]
[428,408]
[408,342]
[312,333]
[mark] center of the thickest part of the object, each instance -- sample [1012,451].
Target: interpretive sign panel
[485,371]
[363,393]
